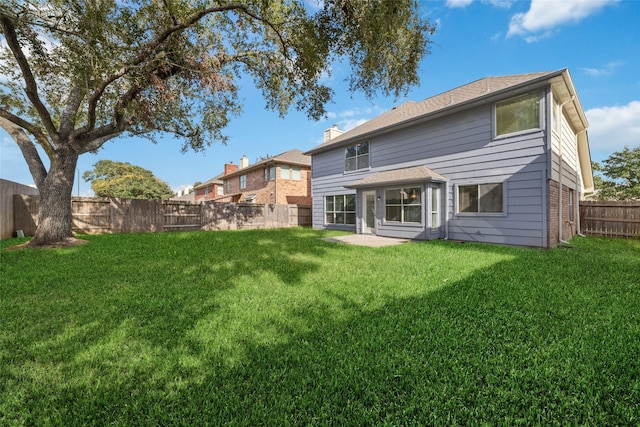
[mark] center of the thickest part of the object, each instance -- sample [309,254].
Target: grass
[277,327]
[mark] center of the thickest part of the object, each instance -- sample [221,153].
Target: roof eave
[483,99]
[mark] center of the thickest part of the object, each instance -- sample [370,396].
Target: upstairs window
[269,173]
[518,114]
[243,182]
[295,173]
[220,190]
[357,156]
[285,172]
[480,198]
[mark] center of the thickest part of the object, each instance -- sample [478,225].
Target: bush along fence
[111,216]
[612,219]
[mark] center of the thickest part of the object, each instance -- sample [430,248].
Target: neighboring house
[490,161]
[213,188]
[281,179]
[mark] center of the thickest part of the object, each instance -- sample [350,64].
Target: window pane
[339,203]
[285,172]
[518,114]
[413,196]
[392,213]
[412,213]
[392,197]
[434,220]
[363,148]
[350,164]
[490,197]
[351,203]
[468,198]
[339,217]
[295,173]
[328,203]
[351,151]
[329,218]
[363,161]
[272,172]
[351,218]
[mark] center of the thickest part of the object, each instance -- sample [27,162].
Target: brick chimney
[230,168]
[331,133]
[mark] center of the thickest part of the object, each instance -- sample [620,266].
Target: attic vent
[450,99]
[487,88]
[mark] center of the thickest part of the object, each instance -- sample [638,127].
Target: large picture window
[518,114]
[340,209]
[403,205]
[480,198]
[357,156]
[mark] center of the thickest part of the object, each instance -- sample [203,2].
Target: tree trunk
[54,216]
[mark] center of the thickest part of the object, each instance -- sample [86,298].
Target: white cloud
[613,128]
[459,3]
[543,16]
[599,72]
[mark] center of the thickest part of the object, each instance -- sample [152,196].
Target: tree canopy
[79,73]
[620,178]
[127,181]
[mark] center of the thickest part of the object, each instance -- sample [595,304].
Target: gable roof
[399,176]
[215,180]
[477,91]
[291,157]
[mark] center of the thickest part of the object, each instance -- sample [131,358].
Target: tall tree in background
[621,175]
[127,181]
[83,72]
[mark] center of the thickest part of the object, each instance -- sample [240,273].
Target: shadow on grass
[537,337]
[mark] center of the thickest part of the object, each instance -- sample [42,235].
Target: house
[281,179]
[213,188]
[501,160]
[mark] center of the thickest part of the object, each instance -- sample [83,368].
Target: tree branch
[40,137]
[28,149]
[151,47]
[69,114]
[31,85]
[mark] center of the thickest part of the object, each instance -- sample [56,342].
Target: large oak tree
[77,73]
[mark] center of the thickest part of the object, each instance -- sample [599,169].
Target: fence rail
[111,216]
[612,219]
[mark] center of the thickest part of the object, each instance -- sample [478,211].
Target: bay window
[403,205]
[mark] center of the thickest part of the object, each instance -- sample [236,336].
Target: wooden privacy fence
[97,215]
[612,219]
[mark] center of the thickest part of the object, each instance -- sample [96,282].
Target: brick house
[213,188]
[281,179]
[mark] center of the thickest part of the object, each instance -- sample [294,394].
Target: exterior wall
[207,193]
[276,191]
[462,148]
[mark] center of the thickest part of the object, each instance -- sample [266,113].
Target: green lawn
[277,327]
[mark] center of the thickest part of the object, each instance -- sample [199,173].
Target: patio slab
[370,240]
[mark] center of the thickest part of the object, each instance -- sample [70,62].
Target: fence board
[613,219]
[101,215]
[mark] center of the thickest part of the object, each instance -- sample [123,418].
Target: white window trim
[494,118]
[242,187]
[324,209]
[456,199]
[368,168]
[405,223]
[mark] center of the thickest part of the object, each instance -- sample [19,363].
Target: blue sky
[598,40]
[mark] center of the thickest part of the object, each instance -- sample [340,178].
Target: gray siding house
[500,160]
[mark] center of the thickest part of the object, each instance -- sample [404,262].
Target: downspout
[446,210]
[559,115]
